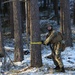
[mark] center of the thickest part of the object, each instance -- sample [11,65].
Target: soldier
[49,28]
[54,40]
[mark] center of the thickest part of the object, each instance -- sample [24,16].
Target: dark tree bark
[44,4]
[23,15]
[18,52]
[74,13]
[11,19]
[55,2]
[35,48]
[27,11]
[41,3]
[2,51]
[0,4]
[65,22]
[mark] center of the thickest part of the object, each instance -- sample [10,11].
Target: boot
[57,68]
[60,70]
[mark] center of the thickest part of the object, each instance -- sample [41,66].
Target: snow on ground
[68,57]
[22,68]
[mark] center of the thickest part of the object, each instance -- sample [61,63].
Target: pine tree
[55,2]
[11,19]
[2,52]
[18,52]
[65,22]
[74,13]
[35,47]
[27,11]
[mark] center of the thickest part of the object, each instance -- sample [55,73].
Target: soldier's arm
[53,34]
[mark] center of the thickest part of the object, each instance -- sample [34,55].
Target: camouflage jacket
[54,37]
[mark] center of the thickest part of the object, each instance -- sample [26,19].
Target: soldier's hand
[42,42]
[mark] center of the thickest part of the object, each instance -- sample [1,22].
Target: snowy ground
[21,68]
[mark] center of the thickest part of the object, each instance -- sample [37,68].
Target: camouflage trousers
[56,55]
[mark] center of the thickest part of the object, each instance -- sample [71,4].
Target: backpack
[58,37]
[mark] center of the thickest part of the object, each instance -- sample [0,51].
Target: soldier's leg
[53,57]
[55,62]
[58,57]
[60,64]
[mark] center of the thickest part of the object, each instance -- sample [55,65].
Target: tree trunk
[44,4]
[35,46]
[62,16]
[27,10]
[18,52]
[22,15]
[2,52]
[66,22]
[0,4]
[74,13]
[11,20]
[55,2]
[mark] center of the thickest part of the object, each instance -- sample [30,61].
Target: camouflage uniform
[56,48]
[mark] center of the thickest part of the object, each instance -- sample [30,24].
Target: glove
[42,42]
